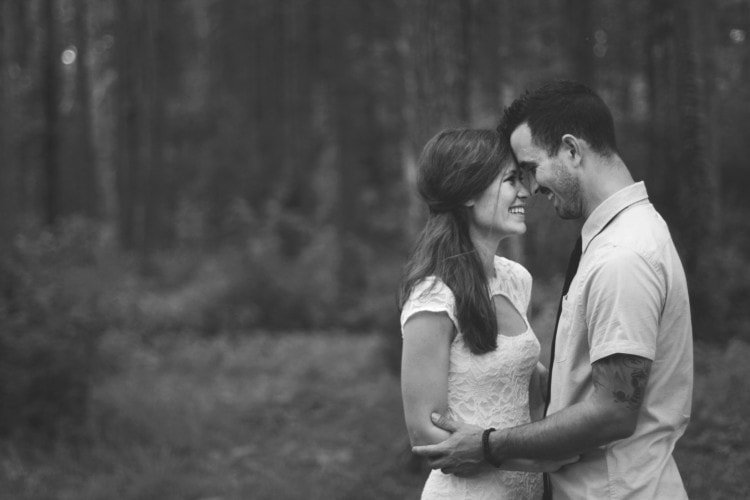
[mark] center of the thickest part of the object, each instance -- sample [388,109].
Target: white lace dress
[488,390]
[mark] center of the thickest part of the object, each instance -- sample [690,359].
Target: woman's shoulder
[429,289]
[505,266]
[429,295]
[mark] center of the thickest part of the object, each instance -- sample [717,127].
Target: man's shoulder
[639,229]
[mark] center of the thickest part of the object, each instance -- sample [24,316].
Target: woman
[468,348]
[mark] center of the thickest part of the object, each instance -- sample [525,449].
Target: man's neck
[604,177]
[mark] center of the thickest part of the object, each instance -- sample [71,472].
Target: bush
[289,275]
[50,322]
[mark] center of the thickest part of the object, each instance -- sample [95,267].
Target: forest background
[205,206]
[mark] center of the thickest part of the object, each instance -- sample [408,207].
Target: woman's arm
[538,391]
[424,374]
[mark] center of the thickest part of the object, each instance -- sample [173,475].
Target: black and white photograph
[374,250]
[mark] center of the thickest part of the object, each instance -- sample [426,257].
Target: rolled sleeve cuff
[633,348]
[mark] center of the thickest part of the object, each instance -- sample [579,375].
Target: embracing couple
[479,406]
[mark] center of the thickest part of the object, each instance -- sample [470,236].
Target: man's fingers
[429,451]
[444,422]
[432,455]
[434,459]
[460,471]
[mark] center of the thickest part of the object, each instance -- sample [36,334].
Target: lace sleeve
[430,295]
[517,283]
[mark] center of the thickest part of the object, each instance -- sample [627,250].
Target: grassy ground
[313,416]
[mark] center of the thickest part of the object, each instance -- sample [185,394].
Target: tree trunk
[127,164]
[84,181]
[102,114]
[348,101]
[464,62]
[661,75]
[7,205]
[140,127]
[698,191]
[581,40]
[51,101]
[150,101]
[410,138]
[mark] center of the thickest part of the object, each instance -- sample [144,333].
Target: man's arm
[619,380]
[611,413]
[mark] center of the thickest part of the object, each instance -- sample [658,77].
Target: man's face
[548,175]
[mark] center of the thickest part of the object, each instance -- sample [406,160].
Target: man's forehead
[521,134]
[521,141]
[525,149]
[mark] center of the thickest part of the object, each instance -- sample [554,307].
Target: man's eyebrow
[526,165]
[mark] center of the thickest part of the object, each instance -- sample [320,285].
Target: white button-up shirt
[629,296]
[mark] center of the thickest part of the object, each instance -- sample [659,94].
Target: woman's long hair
[456,166]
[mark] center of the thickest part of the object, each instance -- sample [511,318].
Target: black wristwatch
[486,448]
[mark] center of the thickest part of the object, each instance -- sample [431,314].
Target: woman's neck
[486,248]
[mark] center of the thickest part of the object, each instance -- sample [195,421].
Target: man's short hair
[560,108]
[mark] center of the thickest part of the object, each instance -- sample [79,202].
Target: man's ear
[571,148]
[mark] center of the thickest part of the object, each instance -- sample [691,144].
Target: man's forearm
[571,431]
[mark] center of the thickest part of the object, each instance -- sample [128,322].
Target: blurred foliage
[313,415]
[713,456]
[50,322]
[254,162]
[208,170]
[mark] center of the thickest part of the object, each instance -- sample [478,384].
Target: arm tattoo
[624,377]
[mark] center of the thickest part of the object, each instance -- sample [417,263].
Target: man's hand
[461,454]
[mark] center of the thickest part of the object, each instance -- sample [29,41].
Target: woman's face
[500,209]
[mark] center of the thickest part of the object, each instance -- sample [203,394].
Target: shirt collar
[609,208]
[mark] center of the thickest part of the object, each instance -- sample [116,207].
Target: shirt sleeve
[624,297]
[430,295]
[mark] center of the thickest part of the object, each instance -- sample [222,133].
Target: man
[622,367]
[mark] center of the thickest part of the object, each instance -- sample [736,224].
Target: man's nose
[532,185]
[525,190]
